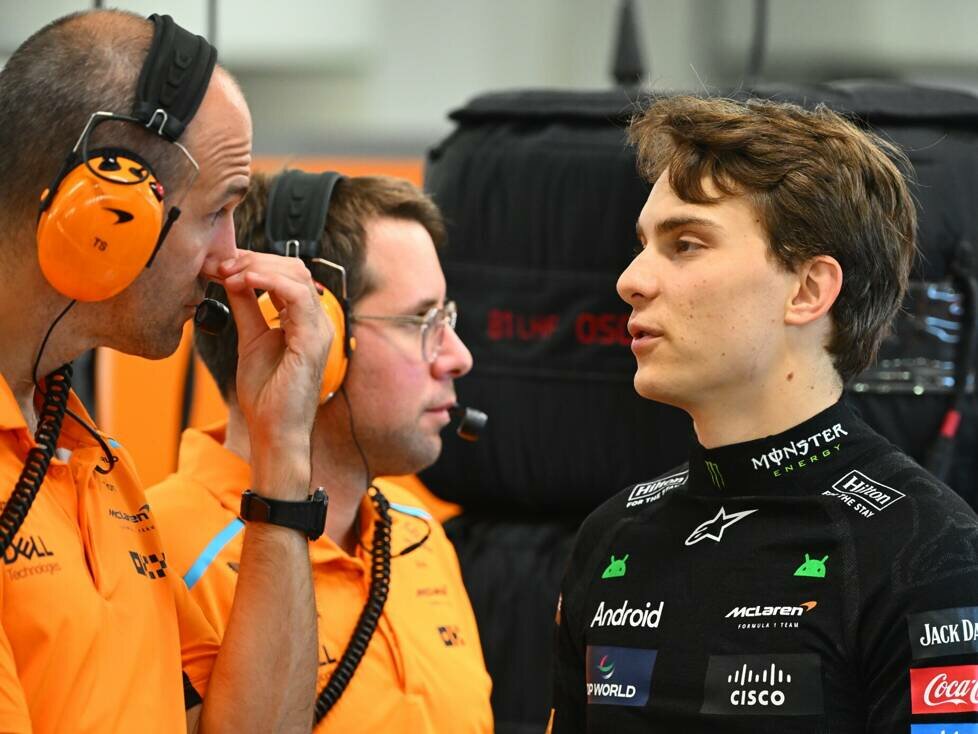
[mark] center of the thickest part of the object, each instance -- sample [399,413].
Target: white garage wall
[378,76]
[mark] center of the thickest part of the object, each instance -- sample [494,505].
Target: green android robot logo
[812,568]
[615,568]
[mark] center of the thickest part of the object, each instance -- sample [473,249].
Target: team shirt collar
[787,463]
[72,437]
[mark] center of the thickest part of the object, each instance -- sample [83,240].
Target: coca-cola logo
[944,690]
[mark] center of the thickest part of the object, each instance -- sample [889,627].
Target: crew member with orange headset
[123,151]
[399,649]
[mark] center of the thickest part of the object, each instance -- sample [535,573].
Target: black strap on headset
[295,218]
[298,203]
[174,78]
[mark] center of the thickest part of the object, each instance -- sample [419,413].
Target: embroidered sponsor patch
[943,632]
[644,494]
[774,685]
[864,495]
[619,676]
[945,690]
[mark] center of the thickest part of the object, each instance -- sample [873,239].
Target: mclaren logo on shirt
[620,676]
[138,521]
[769,617]
[644,494]
[775,685]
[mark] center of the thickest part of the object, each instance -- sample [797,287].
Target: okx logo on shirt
[620,676]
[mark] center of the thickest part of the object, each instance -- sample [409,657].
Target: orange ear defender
[102,219]
[338,358]
[100,231]
[298,204]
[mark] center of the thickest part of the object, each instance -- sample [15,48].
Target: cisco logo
[763,684]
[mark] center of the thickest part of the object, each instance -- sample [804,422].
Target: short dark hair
[344,241]
[55,80]
[821,185]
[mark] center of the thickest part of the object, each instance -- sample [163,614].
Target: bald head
[54,81]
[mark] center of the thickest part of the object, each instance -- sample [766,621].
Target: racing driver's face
[707,297]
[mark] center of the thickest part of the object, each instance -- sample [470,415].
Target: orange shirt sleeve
[199,643]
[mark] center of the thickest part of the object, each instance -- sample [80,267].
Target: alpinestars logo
[645,494]
[763,685]
[944,690]
[801,453]
[713,529]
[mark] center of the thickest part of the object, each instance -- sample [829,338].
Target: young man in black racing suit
[799,574]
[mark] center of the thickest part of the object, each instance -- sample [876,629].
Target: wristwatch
[307,516]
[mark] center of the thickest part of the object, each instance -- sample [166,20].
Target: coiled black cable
[53,409]
[380,581]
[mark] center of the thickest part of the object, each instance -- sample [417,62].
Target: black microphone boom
[471,422]
[211,316]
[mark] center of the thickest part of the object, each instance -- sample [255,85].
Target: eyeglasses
[433,327]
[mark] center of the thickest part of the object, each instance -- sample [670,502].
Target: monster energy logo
[796,452]
[715,476]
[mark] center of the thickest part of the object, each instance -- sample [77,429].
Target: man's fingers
[247,314]
[298,300]
[263,262]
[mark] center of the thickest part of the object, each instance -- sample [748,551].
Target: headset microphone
[211,316]
[471,422]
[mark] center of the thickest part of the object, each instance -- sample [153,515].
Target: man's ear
[818,282]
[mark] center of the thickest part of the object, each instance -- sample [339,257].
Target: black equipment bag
[541,196]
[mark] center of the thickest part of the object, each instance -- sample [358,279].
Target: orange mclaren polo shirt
[94,617]
[423,671]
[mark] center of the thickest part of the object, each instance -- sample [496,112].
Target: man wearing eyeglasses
[421,667]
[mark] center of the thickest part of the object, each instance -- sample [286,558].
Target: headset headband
[173,79]
[298,203]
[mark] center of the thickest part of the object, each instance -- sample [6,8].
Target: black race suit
[814,581]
